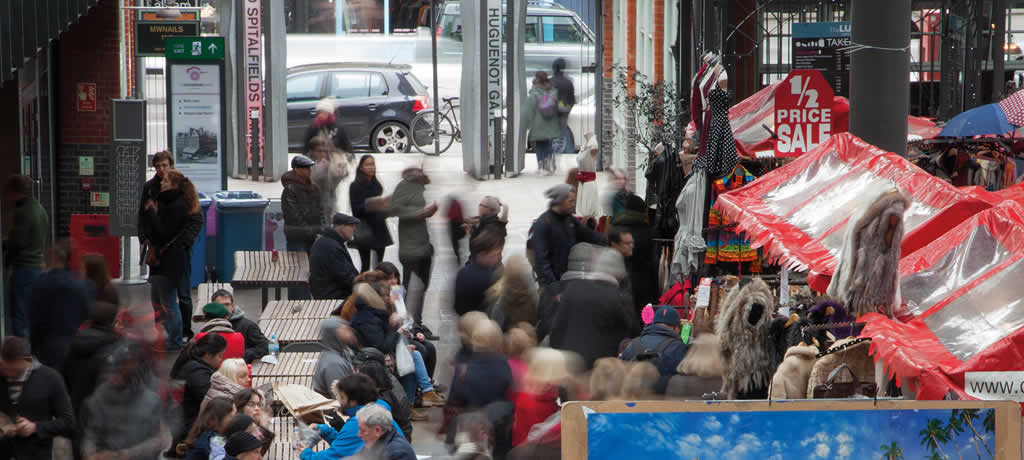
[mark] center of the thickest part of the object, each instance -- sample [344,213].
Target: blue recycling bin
[198,256]
[240,215]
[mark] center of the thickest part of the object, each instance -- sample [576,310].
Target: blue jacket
[392,446]
[345,442]
[650,339]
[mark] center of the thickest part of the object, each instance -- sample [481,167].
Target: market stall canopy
[753,121]
[963,295]
[980,121]
[799,212]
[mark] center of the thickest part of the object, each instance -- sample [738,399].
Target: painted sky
[841,435]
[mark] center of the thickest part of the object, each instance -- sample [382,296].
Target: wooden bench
[294,368]
[299,309]
[205,291]
[257,270]
[291,330]
[284,437]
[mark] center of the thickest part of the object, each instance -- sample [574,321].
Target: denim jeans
[420,378]
[184,291]
[164,293]
[543,149]
[21,287]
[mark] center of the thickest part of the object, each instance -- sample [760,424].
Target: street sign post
[195,109]
[803,113]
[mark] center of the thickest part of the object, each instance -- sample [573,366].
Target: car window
[451,26]
[560,29]
[531,32]
[348,85]
[409,85]
[304,87]
[378,85]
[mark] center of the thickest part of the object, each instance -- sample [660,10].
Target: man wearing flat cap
[300,205]
[331,270]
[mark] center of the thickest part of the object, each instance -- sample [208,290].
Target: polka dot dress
[720,157]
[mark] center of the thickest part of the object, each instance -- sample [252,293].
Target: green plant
[934,435]
[954,427]
[969,416]
[892,451]
[660,112]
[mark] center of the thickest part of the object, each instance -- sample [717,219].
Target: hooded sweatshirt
[335,362]
[125,418]
[407,203]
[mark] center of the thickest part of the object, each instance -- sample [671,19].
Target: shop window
[560,29]
[304,87]
[348,85]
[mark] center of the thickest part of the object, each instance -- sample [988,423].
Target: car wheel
[391,137]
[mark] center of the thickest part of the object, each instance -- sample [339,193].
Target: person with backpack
[660,344]
[541,119]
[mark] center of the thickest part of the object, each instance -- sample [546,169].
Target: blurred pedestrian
[540,116]
[331,271]
[336,360]
[33,395]
[326,124]
[58,306]
[660,345]
[381,437]
[493,217]
[168,255]
[204,440]
[23,246]
[607,378]
[456,225]
[375,236]
[555,232]
[614,199]
[414,249]
[641,380]
[94,266]
[392,393]
[256,343]
[513,298]
[519,342]
[89,349]
[473,280]
[303,214]
[537,400]
[353,392]
[195,365]
[566,100]
[594,314]
[485,376]
[474,437]
[231,377]
[642,264]
[330,169]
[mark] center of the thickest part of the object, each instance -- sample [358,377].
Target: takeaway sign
[803,113]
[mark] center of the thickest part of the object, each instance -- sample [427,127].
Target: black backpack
[654,354]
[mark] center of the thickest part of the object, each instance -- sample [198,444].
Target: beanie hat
[240,423]
[558,193]
[667,315]
[240,443]
[215,310]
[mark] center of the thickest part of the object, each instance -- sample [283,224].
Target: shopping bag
[403,358]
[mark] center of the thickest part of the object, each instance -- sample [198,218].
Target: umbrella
[979,121]
[1013,107]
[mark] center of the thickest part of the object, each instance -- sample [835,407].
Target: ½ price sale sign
[803,113]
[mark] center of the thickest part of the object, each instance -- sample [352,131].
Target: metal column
[275,115]
[880,76]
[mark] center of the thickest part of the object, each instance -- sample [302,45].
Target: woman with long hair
[204,440]
[168,256]
[195,365]
[94,266]
[364,187]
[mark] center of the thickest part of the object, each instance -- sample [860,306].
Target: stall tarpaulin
[753,122]
[965,303]
[799,212]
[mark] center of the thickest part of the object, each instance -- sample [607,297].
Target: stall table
[257,269]
[291,330]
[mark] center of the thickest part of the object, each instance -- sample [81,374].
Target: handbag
[403,358]
[832,390]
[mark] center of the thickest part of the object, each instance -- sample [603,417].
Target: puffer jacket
[300,204]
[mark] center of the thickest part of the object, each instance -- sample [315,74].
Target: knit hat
[240,423]
[240,443]
[581,257]
[610,262]
[215,310]
[667,315]
[558,193]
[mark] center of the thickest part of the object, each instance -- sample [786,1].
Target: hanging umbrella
[979,121]
[1013,107]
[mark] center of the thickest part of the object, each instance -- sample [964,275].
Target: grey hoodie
[336,361]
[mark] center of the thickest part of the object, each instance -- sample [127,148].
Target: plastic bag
[307,436]
[403,358]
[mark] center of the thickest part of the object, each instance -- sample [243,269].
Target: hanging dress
[719,157]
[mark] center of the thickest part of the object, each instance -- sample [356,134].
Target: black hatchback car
[374,103]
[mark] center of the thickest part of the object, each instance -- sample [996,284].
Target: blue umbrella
[979,121]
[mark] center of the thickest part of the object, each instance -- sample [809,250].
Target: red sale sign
[803,113]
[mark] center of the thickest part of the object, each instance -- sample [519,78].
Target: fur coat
[748,355]
[790,380]
[867,278]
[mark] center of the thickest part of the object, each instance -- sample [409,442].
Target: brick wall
[658,10]
[631,40]
[87,53]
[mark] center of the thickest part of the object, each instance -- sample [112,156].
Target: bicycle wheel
[423,133]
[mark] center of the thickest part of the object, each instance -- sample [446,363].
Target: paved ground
[524,194]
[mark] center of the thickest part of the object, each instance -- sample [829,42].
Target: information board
[195,109]
[820,46]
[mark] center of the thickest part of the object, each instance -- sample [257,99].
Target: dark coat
[551,237]
[471,283]
[149,192]
[336,133]
[169,235]
[642,265]
[401,407]
[490,223]
[593,317]
[196,374]
[392,446]
[300,205]
[58,306]
[84,364]
[256,344]
[652,337]
[43,401]
[331,270]
[372,328]
[360,191]
[482,379]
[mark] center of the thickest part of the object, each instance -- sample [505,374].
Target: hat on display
[302,161]
[344,219]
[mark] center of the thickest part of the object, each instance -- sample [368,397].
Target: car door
[303,92]
[351,89]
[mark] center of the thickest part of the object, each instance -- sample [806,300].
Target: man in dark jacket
[554,234]
[256,344]
[300,204]
[660,344]
[58,306]
[566,100]
[331,270]
[642,265]
[376,429]
[33,395]
[89,347]
[24,247]
[473,280]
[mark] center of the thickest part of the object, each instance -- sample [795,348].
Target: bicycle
[448,130]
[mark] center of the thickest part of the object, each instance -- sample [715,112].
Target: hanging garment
[689,244]
[669,184]
[720,155]
[725,245]
[588,195]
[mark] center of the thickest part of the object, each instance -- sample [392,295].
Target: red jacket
[532,409]
[236,344]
